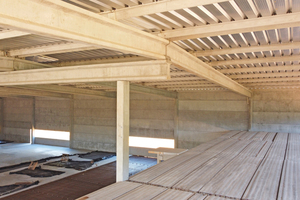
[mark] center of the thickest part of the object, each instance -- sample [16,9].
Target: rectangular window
[147,142]
[55,135]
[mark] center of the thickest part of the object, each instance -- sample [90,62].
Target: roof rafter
[256,60]
[258,69]
[271,47]
[157,7]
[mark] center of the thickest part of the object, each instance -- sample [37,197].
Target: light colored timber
[11,64]
[68,90]
[63,24]
[51,49]
[256,80]
[122,143]
[26,92]
[176,83]
[270,47]
[259,69]
[275,74]
[145,70]
[256,60]
[192,64]
[234,27]
[156,7]
[140,89]
[185,86]
[101,61]
[11,34]
[273,84]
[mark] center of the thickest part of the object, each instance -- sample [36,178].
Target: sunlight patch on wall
[147,142]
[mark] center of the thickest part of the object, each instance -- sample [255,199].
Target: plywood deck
[237,165]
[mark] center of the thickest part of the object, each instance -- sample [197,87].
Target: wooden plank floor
[237,165]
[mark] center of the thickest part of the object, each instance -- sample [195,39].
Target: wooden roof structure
[80,46]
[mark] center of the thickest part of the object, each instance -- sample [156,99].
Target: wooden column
[122,130]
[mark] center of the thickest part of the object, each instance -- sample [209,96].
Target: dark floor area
[80,184]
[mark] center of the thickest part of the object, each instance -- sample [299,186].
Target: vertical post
[32,122]
[71,122]
[176,112]
[2,119]
[122,130]
[250,106]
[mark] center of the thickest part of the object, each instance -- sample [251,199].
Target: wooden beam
[55,18]
[68,90]
[260,69]
[51,49]
[269,47]
[138,71]
[175,83]
[101,61]
[234,27]
[123,117]
[192,64]
[273,84]
[260,80]
[13,64]
[156,7]
[274,74]
[141,89]
[25,92]
[187,86]
[256,60]
[11,34]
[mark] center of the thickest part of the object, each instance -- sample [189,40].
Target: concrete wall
[205,115]
[202,116]
[52,114]
[17,118]
[95,120]
[151,116]
[276,110]
[94,123]
[1,120]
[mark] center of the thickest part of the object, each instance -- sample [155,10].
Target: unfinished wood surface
[174,195]
[230,134]
[256,149]
[233,179]
[144,192]
[259,135]
[281,137]
[198,178]
[250,167]
[270,136]
[290,179]
[198,196]
[265,182]
[171,177]
[112,191]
